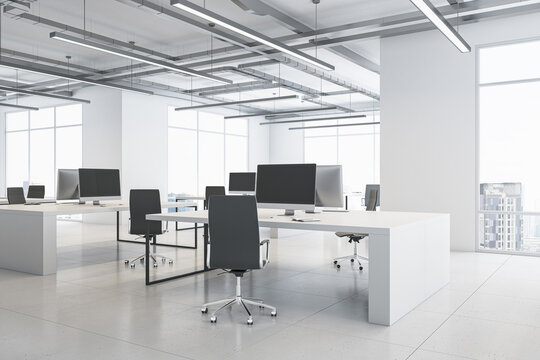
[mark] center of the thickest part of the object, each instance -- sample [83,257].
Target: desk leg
[147,253]
[407,266]
[28,243]
[118,226]
[205,244]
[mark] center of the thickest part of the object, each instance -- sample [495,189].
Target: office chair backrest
[372,202]
[234,232]
[141,203]
[16,195]
[36,192]
[212,191]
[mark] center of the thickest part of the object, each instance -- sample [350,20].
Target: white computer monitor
[67,184]
[99,184]
[286,186]
[329,186]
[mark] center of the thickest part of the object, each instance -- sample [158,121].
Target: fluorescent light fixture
[267,114]
[330,126]
[39,93]
[73,78]
[431,12]
[317,119]
[19,106]
[126,54]
[288,97]
[244,31]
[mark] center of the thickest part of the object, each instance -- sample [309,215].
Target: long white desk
[409,253]
[28,232]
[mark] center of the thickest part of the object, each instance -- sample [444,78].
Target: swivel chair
[235,247]
[141,203]
[356,237]
[15,195]
[36,192]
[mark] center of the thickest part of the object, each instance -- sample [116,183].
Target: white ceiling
[160,33]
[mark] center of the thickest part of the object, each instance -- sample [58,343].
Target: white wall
[428,121]
[286,146]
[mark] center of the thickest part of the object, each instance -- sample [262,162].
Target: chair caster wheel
[213,319]
[352,260]
[204,310]
[338,266]
[155,265]
[142,260]
[170,262]
[250,321]
[335,262]
[126,262]
[163,260]
[132,265]
[273,313]
[361,268]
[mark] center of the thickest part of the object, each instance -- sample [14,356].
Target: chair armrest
[267,243]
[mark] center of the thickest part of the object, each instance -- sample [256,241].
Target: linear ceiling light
[330,126]
[288,97]
[73,78]
[244,31]
[19,106]
[126,54]
[317,119]
[39,93]
[272,113]
[431,12]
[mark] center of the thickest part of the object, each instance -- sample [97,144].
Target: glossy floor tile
[97,308]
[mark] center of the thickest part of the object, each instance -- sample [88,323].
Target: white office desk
[28,232]
[409,253]
[4,201]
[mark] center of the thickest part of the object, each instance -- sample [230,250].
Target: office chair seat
[351,235]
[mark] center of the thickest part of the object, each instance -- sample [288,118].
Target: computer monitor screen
[286,186]
[99,184]
[329,186]
[242,183]
[67,187]
[369,187]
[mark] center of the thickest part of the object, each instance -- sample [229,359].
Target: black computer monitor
[67,187]
[242,183]
[99,184]
[286,186]
[369,187]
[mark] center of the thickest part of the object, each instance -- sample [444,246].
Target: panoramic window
[509,183]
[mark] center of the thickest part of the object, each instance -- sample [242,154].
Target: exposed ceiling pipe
[260,8]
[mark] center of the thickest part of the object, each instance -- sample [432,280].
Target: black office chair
[141,203]
[15,195]
[356,237]
[212,191]
[36,192]
[235,246]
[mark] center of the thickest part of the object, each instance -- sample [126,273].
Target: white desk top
[76,208]
[372,222]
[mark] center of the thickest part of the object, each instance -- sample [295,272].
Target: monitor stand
[96,203]
[287,212]
[312,212]
[82,202]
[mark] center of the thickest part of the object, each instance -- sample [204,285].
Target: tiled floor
[96,308]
